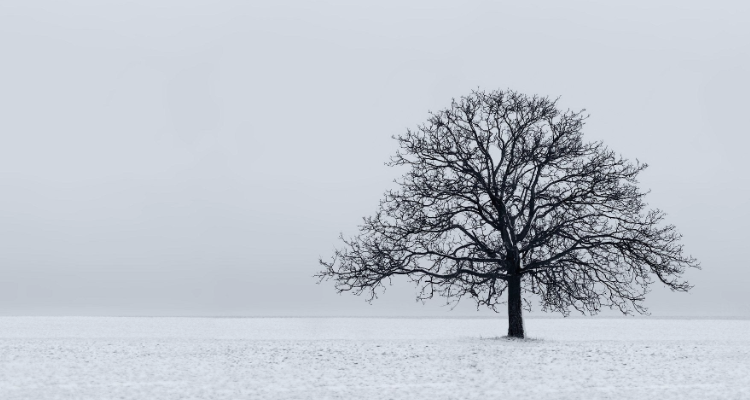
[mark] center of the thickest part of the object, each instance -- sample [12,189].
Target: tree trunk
[515,311]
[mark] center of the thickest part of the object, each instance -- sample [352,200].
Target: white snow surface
[372,358]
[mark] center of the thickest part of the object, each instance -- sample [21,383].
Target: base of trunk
[515,309]
[515,328]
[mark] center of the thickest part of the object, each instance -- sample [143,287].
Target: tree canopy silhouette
[502,194]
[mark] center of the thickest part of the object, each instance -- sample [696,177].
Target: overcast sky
[196,158]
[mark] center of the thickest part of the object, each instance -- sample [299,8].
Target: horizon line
[501,317]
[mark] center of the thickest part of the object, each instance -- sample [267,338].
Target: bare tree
[502,194]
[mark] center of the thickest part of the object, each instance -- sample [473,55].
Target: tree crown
[502,186]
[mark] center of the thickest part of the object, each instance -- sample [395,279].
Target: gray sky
[195,158]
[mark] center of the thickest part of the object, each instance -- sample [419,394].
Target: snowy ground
[309,358]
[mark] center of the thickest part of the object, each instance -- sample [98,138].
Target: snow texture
[367,358]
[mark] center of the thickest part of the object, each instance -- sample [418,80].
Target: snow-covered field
[367,358]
